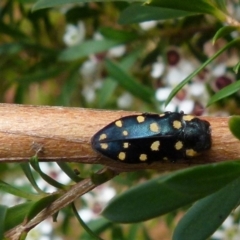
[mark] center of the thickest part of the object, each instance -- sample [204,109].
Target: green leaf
[221,4]
[53,3]
[167,193]
[225,92]
[128,82]
[187,79]
[222,32]
[118,35]
[5,187]
[16,214]
[3,212]
[209,212]
[86,48]
[27,171]
[98,226]
[69,172]
[38,75]
[234,123]
[10,48]
[197,6]
[137,13]
[34,163]
[106,92]
[84,225]
[117,232]
[39,205]
[236,68]
[109,85]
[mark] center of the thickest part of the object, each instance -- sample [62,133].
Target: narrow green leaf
[16,214]
[128,82]
[39,205]
[34,163]
[138,13]
[86,48]
[38,75]
[69,172]
[27,171]
[109,85]
[234,123]
[130,59]
[118,35]
[133,231]
[10,48]
[5,187]
[117,232]
[106,92]
[225,92]
[3,213]
[98,226]
[221,4]
[197,6]
[236,68]
[187,79]
[222,32]
[84,225]
[40,4]
[100,178]
[209,212]
[54,3]
[167,193]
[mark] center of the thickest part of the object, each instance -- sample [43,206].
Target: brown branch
[71,195]
[64,134]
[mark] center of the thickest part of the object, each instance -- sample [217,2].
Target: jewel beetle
[153,137]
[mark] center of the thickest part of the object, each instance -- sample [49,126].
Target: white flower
[89,68]
[163,93]
[43,231]
[219,70]
[74,34]
[89,93]
[125,100]
[96,201]
[147,25]
[174,77]
[117,51]
[186,106]
[98,36]
[157,69]
[197,89]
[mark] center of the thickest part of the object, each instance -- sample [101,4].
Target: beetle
[153,137]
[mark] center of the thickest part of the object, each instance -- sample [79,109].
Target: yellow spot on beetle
[154,127]
[191,153]
[140,119]
[118,123]
[178,145]
[177,124]
[104,145]
[188,117]
[122,156]
[125,133]
[126,145]
[102,136]
[155,146]
[143,157]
